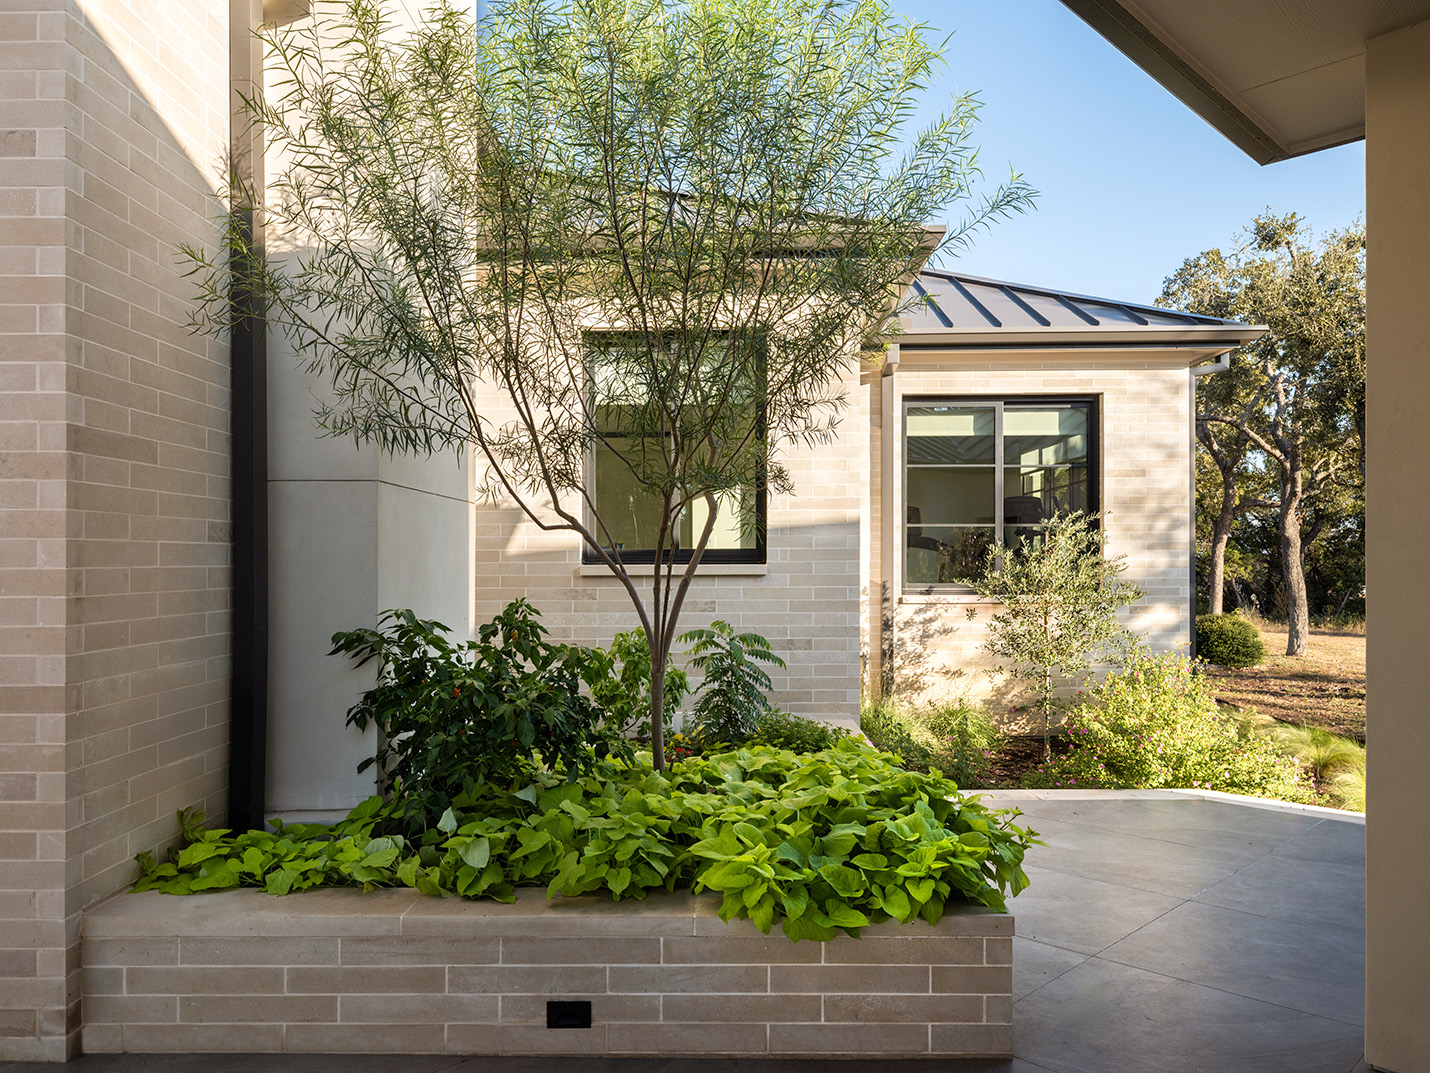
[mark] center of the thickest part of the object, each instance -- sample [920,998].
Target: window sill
[705,570]
[961,597]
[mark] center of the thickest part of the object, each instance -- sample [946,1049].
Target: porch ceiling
[1279,78]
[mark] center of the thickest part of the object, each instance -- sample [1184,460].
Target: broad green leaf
[476,852]
[762,913]
[896,903]
[844,916]
[846,881]
[198,851]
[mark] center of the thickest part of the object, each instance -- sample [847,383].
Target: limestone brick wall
[1144,484]
[394,971]
[113,472]
[32,531]
[805,599]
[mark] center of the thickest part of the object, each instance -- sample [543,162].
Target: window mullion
[998,494]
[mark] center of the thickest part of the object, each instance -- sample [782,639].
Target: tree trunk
[1221,534]
[1293,570]
[1226,458]
[659,653]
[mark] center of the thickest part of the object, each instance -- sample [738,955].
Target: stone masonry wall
[1144,482]
[113,472]
[394,971]
[806,599]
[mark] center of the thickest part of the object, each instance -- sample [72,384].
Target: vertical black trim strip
[248,698]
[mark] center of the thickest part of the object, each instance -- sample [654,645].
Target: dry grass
[1325,687]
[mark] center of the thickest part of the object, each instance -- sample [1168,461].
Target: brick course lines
[110,441]
[337,969]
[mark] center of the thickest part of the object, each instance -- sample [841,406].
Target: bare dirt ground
[1325,687]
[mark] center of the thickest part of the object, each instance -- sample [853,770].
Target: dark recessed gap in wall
[568,1014]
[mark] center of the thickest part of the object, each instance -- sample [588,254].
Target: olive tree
[637,237]
[1060,595]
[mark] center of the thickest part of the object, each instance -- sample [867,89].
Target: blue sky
[1131,182]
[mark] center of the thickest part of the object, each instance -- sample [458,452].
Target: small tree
[648,233]
[1060,599]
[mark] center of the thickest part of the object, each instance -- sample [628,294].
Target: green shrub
[732,698]
[955,737]
[822,842]
[620,684]
[780,730]
[1155,724]
[451,715]
[1229,641]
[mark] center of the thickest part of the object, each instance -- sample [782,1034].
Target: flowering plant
[1155,724]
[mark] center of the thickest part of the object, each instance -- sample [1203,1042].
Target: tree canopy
[1284,426]
[654,232]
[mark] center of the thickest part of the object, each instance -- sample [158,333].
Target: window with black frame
[637,443]
[980,473]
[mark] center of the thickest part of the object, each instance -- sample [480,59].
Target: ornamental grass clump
[1155,724]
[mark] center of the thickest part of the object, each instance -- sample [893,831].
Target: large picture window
[626,449]
[984,472]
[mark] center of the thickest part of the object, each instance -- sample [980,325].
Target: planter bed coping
[349,911]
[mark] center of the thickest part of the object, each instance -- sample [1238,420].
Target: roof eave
[1140,43]
[1090,338]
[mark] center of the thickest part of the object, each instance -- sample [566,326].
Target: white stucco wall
[353,532]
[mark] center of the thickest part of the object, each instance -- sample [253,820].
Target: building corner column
[1398,439]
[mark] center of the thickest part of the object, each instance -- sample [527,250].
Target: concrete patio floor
[1165,931]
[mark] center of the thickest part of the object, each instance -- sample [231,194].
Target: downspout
[1220,365]
[889,527]
[248,691]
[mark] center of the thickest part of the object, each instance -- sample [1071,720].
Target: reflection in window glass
[976,469]
[631,513]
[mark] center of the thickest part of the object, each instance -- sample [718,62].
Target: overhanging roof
[1279,79]
[958,310]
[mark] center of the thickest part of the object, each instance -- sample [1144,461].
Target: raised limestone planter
[339,970]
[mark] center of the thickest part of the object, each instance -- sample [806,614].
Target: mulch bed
[1021,754]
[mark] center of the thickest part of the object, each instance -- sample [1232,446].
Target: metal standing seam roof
[954,308]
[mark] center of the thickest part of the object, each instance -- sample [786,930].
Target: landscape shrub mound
[821,842]
[954,737]
[1229,641]
[451,714]
[781,730]
[1155,725]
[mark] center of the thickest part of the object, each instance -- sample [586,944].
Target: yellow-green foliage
[954,737]
[1338,762]
[820,842]
[1154,724]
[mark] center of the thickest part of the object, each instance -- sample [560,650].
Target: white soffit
[1280,78]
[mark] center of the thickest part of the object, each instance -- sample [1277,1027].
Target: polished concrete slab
[1164,932]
